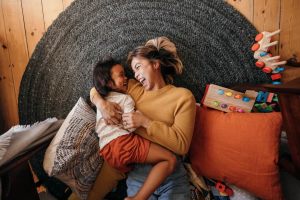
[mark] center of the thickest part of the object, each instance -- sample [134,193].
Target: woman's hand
[135,119]
[112,112]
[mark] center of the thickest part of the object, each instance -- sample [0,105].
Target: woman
[165,113]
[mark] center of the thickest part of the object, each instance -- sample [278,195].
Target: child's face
[119,83]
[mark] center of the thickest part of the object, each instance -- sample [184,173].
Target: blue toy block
[262,96]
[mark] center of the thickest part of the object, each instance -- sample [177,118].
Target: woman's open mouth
[142,81]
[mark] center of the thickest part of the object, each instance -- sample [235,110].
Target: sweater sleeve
[177,136]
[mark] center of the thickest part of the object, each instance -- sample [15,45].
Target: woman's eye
[137,67]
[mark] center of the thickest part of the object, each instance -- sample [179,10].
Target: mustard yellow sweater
[172,111]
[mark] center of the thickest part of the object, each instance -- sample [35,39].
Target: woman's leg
[106,180]
[164,164]
[176,186]
[136,179]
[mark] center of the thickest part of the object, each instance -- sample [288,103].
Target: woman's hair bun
[165,43]
[162,42]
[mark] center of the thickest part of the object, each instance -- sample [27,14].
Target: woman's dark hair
[102,75]
[163,50]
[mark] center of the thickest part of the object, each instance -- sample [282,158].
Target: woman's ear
[156,64]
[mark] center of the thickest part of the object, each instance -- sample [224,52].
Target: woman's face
[145,72]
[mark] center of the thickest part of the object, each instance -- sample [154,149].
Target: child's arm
[111,111]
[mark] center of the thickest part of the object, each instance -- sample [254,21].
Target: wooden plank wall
[23,22]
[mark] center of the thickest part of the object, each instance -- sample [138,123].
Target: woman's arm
[175,137]
[111,111]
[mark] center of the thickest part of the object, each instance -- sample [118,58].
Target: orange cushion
[239,148]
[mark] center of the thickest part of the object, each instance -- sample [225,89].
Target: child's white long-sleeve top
[107,133]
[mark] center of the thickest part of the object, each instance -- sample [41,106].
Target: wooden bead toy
[265,60]
[228,100]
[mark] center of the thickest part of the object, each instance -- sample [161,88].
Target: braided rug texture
[212,38]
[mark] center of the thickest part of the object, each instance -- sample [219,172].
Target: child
[120,147]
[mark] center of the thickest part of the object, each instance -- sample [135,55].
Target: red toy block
[276,76]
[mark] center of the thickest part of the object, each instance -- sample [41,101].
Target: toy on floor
[265,60]
[219,189]
[228,100]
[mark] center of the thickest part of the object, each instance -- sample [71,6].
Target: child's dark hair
[102,75]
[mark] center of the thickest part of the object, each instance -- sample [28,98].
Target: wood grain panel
[34,22]
[245,7]
[267,18]
[51,9]
[66,3]
[16,39]
[8,102]
[290,30]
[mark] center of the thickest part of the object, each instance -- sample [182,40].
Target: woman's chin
[146,87]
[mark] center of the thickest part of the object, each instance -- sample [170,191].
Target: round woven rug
[212,38]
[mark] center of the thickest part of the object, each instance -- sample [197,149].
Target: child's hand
[135,119]
[112,112]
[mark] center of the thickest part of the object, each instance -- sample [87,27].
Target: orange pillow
[238,148]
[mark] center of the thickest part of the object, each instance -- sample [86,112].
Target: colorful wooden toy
[265,60]
[263,41]
[223,189]
[228,100]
